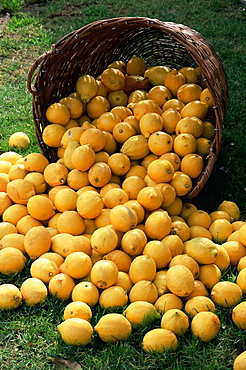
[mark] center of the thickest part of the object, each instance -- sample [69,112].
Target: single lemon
[113,327]
[159,340]
[75,331]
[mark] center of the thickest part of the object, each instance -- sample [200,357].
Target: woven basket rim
[199,49]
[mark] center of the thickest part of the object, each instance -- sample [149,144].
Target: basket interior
[92,48]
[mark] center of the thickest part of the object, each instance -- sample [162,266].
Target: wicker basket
[92,48]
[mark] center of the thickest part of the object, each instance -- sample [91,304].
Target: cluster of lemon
[153,264]
[110,227]
[166,121]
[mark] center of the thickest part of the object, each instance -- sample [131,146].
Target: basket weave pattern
[92,48]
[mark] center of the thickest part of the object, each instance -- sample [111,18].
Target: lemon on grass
[10,296]
[168,301]
[205,325]
[34,291]
[239,315]
[239,362]
[159,340]
[61,286]
[176,321]
[226,294]
[198,304]
[12,260]
[114,296]
[19,140]
[220,229]
[44,269]
[76,331]
[113,327]
[141,313]
[77,309]
[241,280]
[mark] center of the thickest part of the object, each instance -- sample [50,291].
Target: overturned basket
[92,48]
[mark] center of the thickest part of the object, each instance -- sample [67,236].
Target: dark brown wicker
[93,47]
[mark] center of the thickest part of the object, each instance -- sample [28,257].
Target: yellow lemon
[239,362]
[37,241]
[114,296]
[113,327]
[12,260]
[77,265]
[104,273]
[143,290]
[76,331]
[220,229]
[242,235]
[176,321]
[143,267]
[209,274]
[226,294]
[159,251]
[34,291]
[77,309]
[203,250]
[10,296]
[231,208]
[161,282]
[198,304]
[235,250]
[180,280]
[124,281]
[241,280]
[44,269]
[205,325]
[222,260]
[61,286]
[239,315]
[159,340]
[86,292]
[168,301]
[141,313]
[199,290]
[184,259]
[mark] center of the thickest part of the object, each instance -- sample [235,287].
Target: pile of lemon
[106,223]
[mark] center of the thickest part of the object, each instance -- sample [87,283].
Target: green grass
[28,336]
